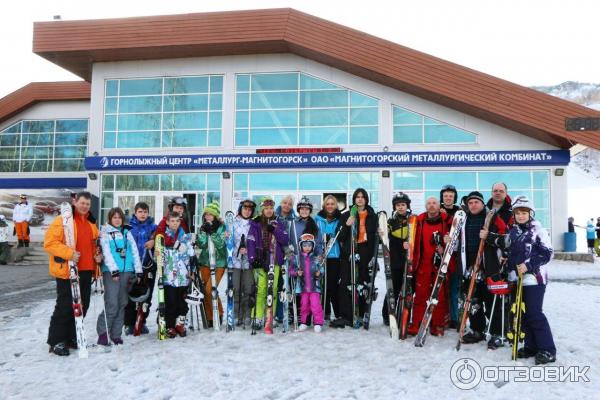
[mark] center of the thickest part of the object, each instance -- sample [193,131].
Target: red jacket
[446,224]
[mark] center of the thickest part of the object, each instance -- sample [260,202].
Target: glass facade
[53,145]
[535,184]
[183,111]
[312,184]
[118,186]
[279,109]
[410,127]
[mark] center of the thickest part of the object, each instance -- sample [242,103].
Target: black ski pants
[344,290]
[62,322]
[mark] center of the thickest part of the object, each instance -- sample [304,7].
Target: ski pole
[487,331]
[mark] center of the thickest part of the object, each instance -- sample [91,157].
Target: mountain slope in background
[587,94]
[584,169]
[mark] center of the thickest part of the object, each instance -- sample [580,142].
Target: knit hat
[475,195]
[266,202]
[213,209]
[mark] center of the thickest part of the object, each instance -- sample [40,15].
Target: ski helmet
[523,202]
[304,203]
[178,200]
[401,197]
[306,238]
[247,203]
[448,188]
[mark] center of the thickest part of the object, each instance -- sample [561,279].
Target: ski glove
[115,274]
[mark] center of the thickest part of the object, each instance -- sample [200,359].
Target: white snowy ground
[336,364]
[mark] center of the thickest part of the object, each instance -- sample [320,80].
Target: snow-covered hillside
[587,94]
[584,170]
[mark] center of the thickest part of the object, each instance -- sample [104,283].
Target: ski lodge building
[224,105]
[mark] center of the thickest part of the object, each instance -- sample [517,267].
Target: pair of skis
[474,276]
[394,308]
[66,212]
[458,223]
[402,312]
[517,309]
[159,250]
[142,306]
[230,316]
[270,285]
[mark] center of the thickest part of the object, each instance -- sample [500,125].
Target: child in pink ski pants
[308,282]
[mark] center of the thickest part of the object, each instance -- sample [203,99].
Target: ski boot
[544,357]
[180,326]
[495,342]
[171,333]
[60,349]
[340,323]
[318,328]
[472,337]
[257,325]
[128,330]
[117,341]
[103,340]
[525,352]
[436,331]
[302,327]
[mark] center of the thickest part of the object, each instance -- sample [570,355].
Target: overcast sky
[530,42]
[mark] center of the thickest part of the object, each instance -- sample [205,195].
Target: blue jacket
[287,221]
[590,231]
[329,228]
[111,239]
[142,232]
[530,244]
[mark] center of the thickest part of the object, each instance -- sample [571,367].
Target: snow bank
[336,364]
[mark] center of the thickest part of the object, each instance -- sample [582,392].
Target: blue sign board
[332,160]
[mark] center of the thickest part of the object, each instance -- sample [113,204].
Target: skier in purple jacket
[309,283]
[530,250]
[247,240]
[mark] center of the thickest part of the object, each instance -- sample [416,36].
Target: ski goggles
[448,187]
[181,201]
[267,203]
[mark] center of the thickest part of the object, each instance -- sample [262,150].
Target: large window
[115,186]
[410,127]
[312,184]
[535,184]
[279,109]
[44,146]
[163,112]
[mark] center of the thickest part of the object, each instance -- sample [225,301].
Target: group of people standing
[266,234]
